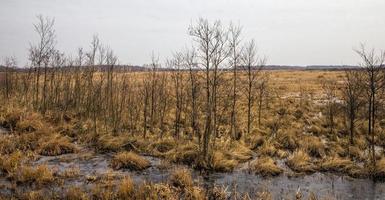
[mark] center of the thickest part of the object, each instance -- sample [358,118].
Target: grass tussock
[337,164]
[30,123]
[288,140]
[156,191]
[125,188]
[162,146]
[300,161]
[110,143]
[10,163]
[267,149]
[313,146]
[222,162]
[129,160]
[40,175]
[58,145]
[75,193]
[185,154]
[240,151]
[181,178]
[266,166]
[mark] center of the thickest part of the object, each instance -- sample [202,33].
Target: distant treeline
[137,68]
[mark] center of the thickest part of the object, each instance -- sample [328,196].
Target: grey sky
[295,32]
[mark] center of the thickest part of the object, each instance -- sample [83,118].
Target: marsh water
[90,165]
[323,185]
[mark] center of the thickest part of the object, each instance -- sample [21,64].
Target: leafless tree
[40,53]
[210,40]
[234,40]
[330,91]
[352,91]
[9,66]
[374,83]
[253,66]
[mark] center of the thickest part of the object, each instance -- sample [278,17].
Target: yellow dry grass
[265,166]
[129,160]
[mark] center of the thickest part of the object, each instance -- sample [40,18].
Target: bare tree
[40,53]
[330,91]
[210,40]
[176,64]
[253,66]
[374,83]
[234,35]
[352,94]
[9,66]
[191,65]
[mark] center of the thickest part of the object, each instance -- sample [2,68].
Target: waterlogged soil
[92,165]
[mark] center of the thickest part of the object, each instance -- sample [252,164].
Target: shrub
[129,160]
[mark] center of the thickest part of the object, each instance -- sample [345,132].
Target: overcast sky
[288,32]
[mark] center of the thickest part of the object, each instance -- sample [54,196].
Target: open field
[293,153]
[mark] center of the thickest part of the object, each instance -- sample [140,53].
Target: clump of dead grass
[267,149]
[129,160]
[266,166]
[10,163]
[57,145]
[300,161]
[40,175]
[313,146]
[162,146]
[288,139]
[337,164]
[222,162]
[75,193]
[125,188]
[184,153]
[181,178]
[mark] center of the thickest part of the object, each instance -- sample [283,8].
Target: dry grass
[300,161]
[265,166]
[40,175]
[151,191]
[125,188]
[184,153]
[162,146]
[288,139]
[221,162]
[30,123]
[75,193]
[58,145]
[129,160]
[110,143]
[181,178]
[10,163]
[267,149]
[313,146]
[337,164]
